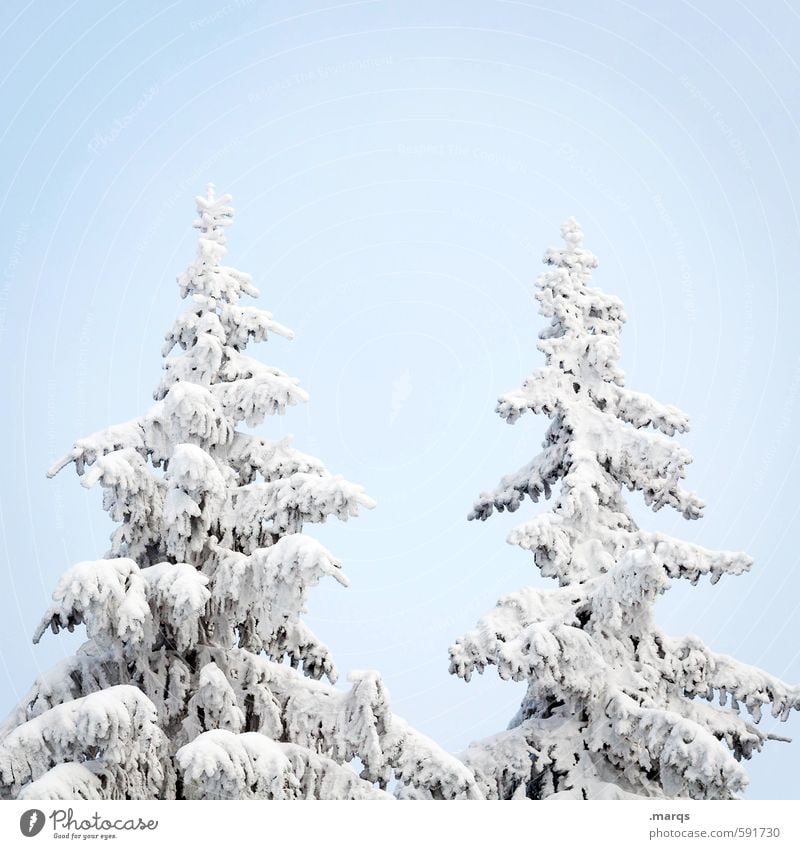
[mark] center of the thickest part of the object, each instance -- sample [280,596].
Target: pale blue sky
[398,169]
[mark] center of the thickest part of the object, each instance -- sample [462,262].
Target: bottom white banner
[385,825]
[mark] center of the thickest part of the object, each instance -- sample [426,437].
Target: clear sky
[398,169]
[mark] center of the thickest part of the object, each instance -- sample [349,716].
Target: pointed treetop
[574,257]
[215,214]
[572,233]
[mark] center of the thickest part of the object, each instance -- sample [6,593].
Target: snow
[109,596]
[613,704]
[269,587]
[222,765]
[178,596]
[65,782]
[117,726]
[249,456]
[199,678]
[260,510]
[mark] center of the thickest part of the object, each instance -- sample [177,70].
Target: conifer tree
[199,678]
[614,706]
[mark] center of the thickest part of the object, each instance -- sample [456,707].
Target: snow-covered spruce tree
[190,685]
[614,707]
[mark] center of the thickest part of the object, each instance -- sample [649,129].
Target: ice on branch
[263,511]
[117,725]
[195,501]
[109,596]
[66,782]
[178,595]
[221,765]
[264,594]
